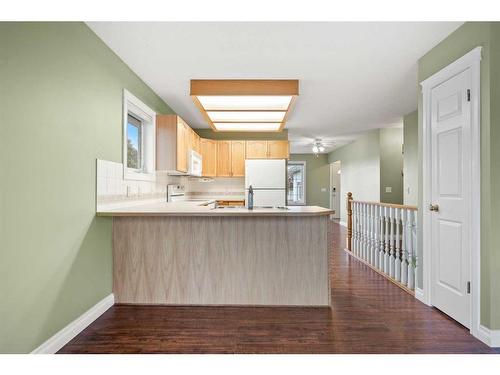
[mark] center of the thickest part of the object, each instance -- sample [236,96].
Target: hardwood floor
[369,315]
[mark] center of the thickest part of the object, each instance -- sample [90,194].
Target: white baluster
[370,234]
[415,256]
[411,257]
[397,260]
[376,235]
[360,225]
[391,242]
[353,245]
[381,245]
[387,239]
[365,237]
[404,261]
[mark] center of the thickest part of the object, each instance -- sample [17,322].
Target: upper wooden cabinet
[278,150]
[171,143]
[224,158]
[208,151]
[182,145]
[174,138]
[194,140]
[256,150]
[238,158]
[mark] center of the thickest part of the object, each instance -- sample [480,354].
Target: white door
[335,188]
[450,194]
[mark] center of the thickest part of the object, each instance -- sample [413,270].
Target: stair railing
[384,236]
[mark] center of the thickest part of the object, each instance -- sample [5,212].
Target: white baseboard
[419,294]
[65,335]
[490,337]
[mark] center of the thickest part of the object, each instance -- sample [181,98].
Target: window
[134,143]
[296,183]
[139,139]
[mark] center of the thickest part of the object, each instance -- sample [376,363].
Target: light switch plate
[388,189]
[323,190]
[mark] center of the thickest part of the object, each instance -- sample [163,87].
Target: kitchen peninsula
[192,253]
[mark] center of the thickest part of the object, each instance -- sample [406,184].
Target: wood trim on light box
[244,87]
[204,113]
[237,87]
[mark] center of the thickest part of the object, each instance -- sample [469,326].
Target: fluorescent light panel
[245,102]
[242,126]
[246,116]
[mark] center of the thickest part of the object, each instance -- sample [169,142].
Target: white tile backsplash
[113,189]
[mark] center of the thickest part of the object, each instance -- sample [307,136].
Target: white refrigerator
[268,180]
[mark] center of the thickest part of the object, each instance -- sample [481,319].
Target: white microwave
[194,163]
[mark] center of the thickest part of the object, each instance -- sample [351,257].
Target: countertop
[200,208]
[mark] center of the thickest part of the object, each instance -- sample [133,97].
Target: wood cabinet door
[278,150]
[208,150]
[256,149]
[224,158]
[194,140]
[182,145]
[237,158]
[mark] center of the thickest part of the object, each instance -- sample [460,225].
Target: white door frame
[471,61]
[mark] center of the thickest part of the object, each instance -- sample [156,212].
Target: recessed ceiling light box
[245,105]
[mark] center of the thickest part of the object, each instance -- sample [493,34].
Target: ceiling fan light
[321,148]
[315,149]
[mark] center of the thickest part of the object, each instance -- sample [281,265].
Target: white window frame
[134,106]
[304,164]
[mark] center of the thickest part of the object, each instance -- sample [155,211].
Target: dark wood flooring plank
[369,315]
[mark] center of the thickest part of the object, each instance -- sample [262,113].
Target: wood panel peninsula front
[192,254]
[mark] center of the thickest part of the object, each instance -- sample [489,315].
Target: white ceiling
[354,76]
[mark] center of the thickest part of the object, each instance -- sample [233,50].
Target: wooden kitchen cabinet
[238,158]
[224,159]
[194,140]
[182,145]
[208,151]
[278,150]
[172,143]
[256,149]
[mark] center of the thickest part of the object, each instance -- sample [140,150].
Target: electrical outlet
[388,189]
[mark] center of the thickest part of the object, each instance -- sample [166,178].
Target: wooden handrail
[349,222]
[406,207]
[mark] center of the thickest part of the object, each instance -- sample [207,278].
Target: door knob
[434,207]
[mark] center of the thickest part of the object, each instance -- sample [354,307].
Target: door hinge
[468,95]
[468,287]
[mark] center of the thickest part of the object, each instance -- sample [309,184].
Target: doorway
[335,180]
[451,181]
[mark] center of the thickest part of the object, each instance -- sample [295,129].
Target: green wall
[61,96]
[410,159]
[360,169]
[464,39]
[317,178]
[254,136]
[391,165]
